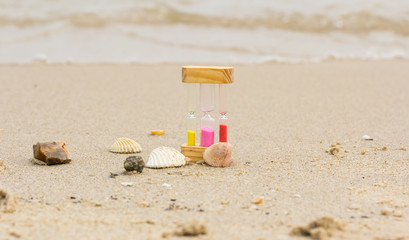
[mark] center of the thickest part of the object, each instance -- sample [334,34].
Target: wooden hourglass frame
[199,138]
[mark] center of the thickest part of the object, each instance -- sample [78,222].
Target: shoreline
[222,63]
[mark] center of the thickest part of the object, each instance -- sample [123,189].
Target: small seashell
[218,155]
[164,157]
[366,138]
[127,184]
[157,132]
[258,200]
[125,145]
[354,206]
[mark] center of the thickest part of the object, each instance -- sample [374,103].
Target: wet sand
[283,119]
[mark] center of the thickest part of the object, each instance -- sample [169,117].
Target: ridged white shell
[164,157]
[125,145]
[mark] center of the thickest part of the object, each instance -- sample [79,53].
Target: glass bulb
[191,120]
[207,97]
[223,119]
[207,130]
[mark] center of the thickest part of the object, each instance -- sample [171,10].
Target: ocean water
[202,31]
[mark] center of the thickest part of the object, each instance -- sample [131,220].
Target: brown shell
[219,154]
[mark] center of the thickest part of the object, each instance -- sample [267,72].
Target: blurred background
[202,31]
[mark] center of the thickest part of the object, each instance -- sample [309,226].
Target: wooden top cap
[205,74]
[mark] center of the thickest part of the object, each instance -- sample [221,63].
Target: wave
[353,22]
[237,31]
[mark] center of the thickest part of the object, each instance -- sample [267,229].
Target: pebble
[386,211]
[354,206]
[8,202]
[366,138]
[258,200]
[134,163]
[334,151]
[192,228]
[113,175]
[51,153]
[127,184]
[397,214]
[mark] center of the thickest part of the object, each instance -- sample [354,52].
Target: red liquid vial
[223,133]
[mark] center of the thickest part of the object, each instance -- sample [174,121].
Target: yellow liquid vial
[191,138]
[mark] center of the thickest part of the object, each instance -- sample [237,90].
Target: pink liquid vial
[207,136]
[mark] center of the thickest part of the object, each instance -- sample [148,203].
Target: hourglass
[203,132]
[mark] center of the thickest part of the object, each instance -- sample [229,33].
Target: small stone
[397,214]
[258,200]
[402,148]
[192,229]
[145,204]
[354,206]
[15,234]
[334,151]
[2,165]
[386,211]
[366,138]
[127,184]
[134,163]
[52,153]
[113,175]
[7,202]
[320,229]
[384,148]
[166,234]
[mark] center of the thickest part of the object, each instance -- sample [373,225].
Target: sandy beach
[284,119]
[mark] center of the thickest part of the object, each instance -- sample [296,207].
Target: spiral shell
[219,154]
[164,157]
[125,145]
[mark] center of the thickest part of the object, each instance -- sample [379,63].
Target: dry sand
[283,119]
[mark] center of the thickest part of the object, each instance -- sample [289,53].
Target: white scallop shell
[164,157]
[125,145]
